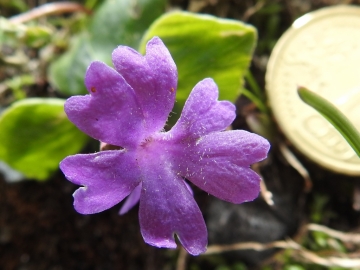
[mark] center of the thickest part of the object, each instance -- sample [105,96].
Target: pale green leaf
[35,135]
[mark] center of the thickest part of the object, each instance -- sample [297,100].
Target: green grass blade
[334,116]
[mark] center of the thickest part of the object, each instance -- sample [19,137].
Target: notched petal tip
[100,76]
[261,145]
[196,247]
[68,166]
[111,113]
[225,156]
[79,206]
[153,77]
[160,60]
[203,113]
[169,212]
[161,243]
[210,84]
[155,40]
[129,63]
[106,178]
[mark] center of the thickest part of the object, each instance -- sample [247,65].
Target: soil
[39,228]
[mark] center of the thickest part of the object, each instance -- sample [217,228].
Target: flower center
[146,143]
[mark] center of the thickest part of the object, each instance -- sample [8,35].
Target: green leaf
[36,135]
[116,22]
[334,116]
[205,46]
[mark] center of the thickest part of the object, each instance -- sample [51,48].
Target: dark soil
[39,228]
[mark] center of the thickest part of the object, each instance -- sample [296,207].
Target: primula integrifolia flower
[127,107]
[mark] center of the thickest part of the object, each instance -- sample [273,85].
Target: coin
[321,51]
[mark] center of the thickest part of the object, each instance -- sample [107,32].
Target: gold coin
[321,51]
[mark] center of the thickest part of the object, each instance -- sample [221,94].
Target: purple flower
[128,107]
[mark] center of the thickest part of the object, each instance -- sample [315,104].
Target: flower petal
[167,207]
[111,113]
[153,78]
[220,162]
[131,200]
[240,147]
[108,177]
[203,113]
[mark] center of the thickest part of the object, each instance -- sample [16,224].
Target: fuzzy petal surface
[107,178]
[111,112]
[219,163]
[153,78]
[203,113]
[167,207]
